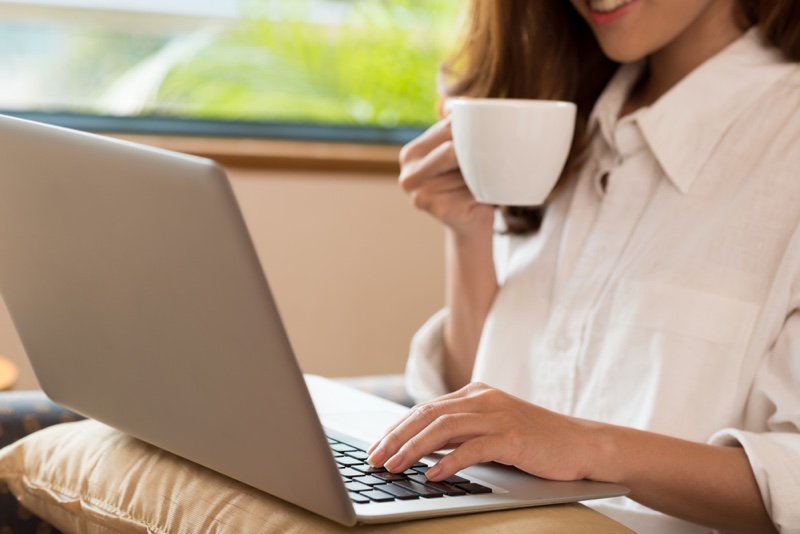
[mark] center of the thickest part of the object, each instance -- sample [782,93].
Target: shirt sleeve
[774,449]
[425,367]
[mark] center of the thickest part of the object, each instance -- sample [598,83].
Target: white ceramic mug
[511,152]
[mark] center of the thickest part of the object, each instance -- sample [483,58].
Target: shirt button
[562,343]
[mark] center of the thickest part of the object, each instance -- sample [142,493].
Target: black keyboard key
[389,477]
[369,469]
[421,469]
[350,473]
[359,455]
[455,479]
[421,489]
[447,489]
[358,498]
[420,465]
[377,496]
[398,492]
[342,447]
[474,488]
[352,485]
[368,480]
[348,462]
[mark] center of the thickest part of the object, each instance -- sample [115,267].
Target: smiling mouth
[607,6]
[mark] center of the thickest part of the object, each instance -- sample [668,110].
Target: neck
[710,33]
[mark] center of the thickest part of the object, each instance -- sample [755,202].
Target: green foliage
[365,62]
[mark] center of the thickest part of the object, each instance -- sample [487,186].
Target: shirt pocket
[671,358]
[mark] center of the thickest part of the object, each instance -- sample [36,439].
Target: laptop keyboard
[368,484]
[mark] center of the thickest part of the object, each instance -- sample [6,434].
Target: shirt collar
[683,127]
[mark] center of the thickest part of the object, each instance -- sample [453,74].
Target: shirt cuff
[775,460]
[425,366]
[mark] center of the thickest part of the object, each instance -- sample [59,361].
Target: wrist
[469,258]
[477,226]
[605,452]
[475,235]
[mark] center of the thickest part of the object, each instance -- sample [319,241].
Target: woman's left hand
[483,424]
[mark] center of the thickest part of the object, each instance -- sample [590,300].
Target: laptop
[137,293]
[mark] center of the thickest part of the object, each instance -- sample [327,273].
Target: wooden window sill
[278,154]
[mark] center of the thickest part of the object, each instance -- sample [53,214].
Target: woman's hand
[431,177]
[483,424]
[705,484]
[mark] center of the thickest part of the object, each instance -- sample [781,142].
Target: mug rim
[508,102]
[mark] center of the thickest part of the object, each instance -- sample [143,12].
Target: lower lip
[604,19]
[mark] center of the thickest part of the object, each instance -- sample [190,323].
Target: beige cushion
[85,477]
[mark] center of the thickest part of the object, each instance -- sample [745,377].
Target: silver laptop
[135,288]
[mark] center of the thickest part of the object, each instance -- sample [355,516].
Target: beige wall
[354,268]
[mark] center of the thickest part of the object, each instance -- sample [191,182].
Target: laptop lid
[132,281]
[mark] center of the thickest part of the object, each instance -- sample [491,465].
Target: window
[366,65]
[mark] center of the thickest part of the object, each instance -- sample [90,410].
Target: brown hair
[543,49]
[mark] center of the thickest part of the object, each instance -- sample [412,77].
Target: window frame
[189,127]
[251,145]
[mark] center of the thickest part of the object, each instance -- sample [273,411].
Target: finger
[380,451]
[441,193]
[441,183]
[458,394]
[440,160]
[446,183]
[430,139]
[468,399]
[448,429]
[483,448]
[414,422]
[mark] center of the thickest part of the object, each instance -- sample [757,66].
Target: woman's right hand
[431,177]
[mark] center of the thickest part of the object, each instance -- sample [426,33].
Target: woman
[643,327]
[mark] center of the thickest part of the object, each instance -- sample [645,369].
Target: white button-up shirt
[665,297]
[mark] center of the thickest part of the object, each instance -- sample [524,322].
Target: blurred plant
[365,62]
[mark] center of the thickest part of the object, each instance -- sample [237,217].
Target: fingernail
[433,472]
[394,462]
[377,457]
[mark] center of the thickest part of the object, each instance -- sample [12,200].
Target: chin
[624,56]
[622,51]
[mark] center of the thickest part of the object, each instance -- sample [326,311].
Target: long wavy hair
[543,49]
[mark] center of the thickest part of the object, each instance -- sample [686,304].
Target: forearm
[705,484]
[470,291]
